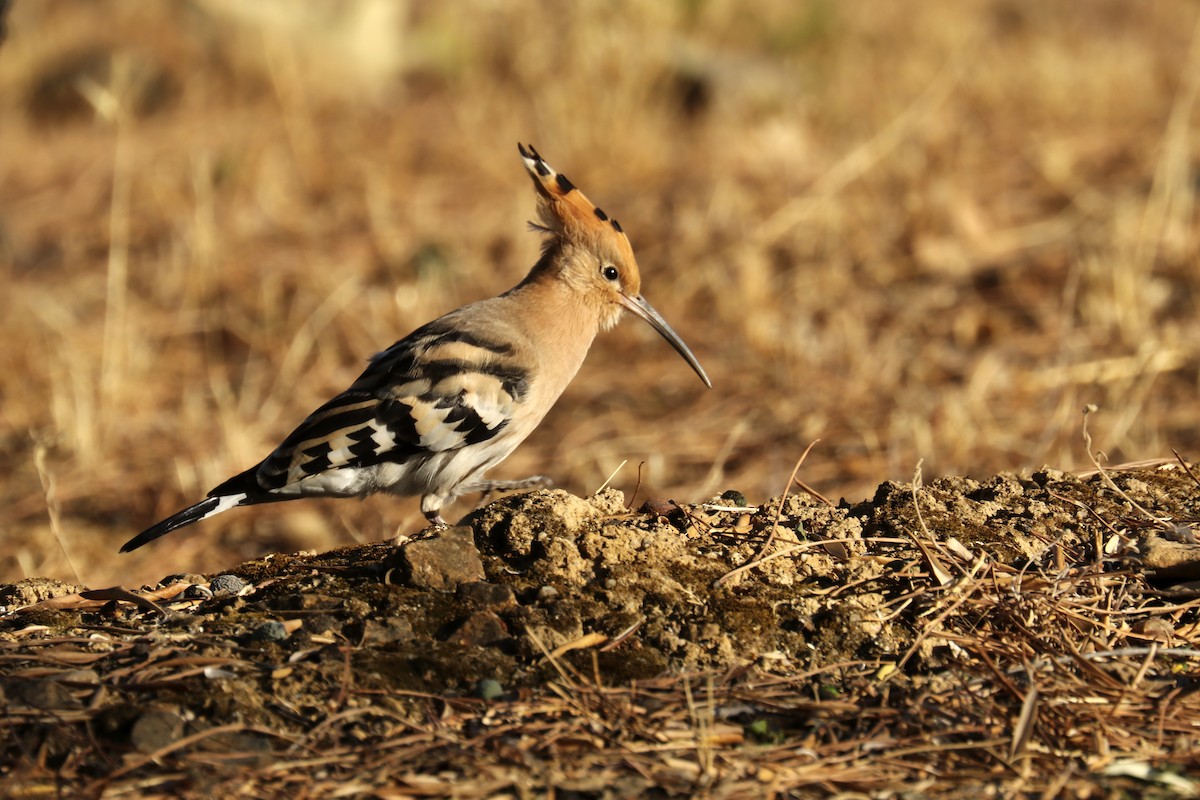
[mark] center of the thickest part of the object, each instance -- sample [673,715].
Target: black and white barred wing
[437,390]
[440,389]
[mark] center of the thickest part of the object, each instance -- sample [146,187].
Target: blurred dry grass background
[916,230]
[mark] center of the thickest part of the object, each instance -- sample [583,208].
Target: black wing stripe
[312,439]
[475,428]
[317,465]
[513,379]
[365,447]
[330,419]
[474,340]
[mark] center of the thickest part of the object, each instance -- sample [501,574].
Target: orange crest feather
[565,211]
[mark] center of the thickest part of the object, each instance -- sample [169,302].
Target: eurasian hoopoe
[439,408]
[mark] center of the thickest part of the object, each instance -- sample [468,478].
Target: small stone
[42,694]
[487,595]
[155,729]
[1178,532]
[489,689]
[1155,628]
[547,593]
[183,577]
[659,507]
[387,630]
[322,624]
[481,629]
[303,601]
[445,562]
[734,498]
[270,631]
[197,591]
[226,585]
[85,676]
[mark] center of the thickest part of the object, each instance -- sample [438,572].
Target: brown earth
[925,232]
[981,636]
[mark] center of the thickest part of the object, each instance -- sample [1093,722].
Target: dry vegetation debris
[1005,634]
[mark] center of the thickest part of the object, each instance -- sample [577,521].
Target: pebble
[734,498]
[155,729]
[489,689]
[487,595]
[481,629]
[443,563]
[270,631]
[225,585]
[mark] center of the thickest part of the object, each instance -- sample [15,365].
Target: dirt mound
[824,638]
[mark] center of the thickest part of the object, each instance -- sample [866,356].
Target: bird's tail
[202,510]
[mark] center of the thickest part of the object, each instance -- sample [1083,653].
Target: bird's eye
[610,273]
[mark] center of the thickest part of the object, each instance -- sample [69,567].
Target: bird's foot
[435,519]
[488,488]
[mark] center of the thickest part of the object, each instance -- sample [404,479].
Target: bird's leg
[487,488]
[431,507]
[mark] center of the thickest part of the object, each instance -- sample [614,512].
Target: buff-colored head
[589,250]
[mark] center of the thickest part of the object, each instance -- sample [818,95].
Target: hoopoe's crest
[436,410]
[565,211]
[579,230]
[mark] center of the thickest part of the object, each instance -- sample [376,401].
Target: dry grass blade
[1108,481]
[1185,466]
[940,574]
[1023,729]
[51,497]
[758,559]
[582,643]
[611,475]
[120,593]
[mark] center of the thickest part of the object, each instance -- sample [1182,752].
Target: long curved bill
[639,306]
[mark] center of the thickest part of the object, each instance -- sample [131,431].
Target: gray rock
[480,630]
[155,729]
[44,694]
[487,595]
[225,585]
[387,630]
[489,689]
[270,631]
[444,562]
